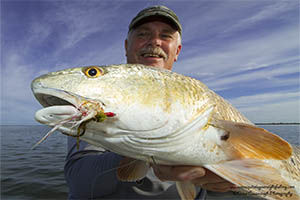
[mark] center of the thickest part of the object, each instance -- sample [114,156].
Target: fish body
[160,116]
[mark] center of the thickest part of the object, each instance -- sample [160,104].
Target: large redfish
[161,117]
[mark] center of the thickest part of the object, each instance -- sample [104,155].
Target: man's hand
[198,175]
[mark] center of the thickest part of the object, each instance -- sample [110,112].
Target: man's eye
[166,35]
[142,34]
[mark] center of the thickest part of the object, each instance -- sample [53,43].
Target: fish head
[98,92]
[69,86]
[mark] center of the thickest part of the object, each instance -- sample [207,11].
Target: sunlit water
[38,174]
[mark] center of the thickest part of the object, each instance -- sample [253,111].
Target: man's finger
[209,177]
[178,173]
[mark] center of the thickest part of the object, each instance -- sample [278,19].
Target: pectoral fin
[254,177]
[132,170]
[248,141]
[186,190]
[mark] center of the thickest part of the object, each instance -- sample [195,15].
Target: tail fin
[254,177]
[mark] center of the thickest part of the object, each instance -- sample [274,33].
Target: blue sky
[245,50]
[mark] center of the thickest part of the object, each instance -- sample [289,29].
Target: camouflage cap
[153,13]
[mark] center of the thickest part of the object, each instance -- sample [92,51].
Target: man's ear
[126,46]
[177,52]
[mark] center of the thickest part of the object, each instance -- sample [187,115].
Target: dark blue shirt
[90,173]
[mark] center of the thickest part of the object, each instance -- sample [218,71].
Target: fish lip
[48,96]
[51,97]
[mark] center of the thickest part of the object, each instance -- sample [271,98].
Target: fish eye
[93,72]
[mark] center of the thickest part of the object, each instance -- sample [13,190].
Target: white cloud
[18,104]
[275,9]
[270,107]
[267,75]
[261,99]
[37,33]
[82,19]
[212,20]
[287,111]
[266,50]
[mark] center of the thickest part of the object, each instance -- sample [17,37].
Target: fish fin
[132,170]
[255,177]
[248,141]
[198,123]
[186,190]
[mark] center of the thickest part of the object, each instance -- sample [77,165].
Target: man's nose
[155,40]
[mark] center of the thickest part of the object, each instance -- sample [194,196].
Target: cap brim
[156,17]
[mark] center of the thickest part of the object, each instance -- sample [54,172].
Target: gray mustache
[153,50]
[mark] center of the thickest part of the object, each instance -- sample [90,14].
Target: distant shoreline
[277,123]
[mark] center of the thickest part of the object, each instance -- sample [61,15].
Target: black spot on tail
[225,136]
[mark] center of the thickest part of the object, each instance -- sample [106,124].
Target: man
[154,39]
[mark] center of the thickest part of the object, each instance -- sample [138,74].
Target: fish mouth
[65,110]
[49,97]
[54,97]
[61,110]
[59,106]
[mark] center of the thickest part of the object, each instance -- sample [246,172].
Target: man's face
[154,43]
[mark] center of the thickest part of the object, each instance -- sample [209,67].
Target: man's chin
[159,63]
[153,62]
